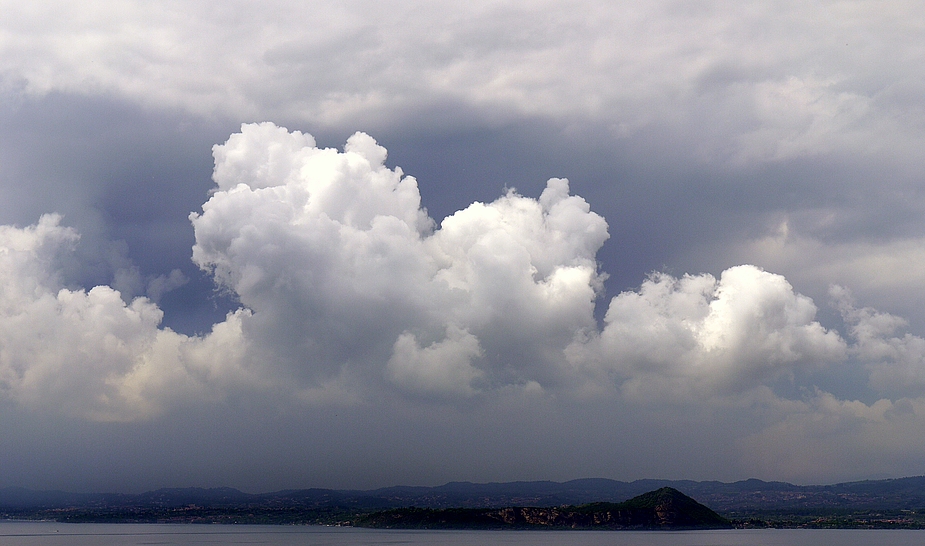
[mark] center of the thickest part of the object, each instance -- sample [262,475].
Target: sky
[359,244]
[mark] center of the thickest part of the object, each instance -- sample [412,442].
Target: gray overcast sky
[357,244]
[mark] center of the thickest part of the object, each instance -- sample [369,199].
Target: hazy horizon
[434,486]
[359,244]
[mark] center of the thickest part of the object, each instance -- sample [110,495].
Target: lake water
[14,533]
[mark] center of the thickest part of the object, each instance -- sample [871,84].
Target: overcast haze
[358,244]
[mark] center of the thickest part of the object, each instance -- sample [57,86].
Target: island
[665,508]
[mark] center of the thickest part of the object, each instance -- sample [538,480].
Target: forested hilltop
[878,503]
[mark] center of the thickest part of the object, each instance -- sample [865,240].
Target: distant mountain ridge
[741,496]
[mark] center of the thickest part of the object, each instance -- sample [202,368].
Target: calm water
[54,534]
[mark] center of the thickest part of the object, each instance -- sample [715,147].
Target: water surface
[14,533]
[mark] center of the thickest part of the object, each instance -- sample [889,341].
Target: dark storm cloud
[127,179]
[519,327]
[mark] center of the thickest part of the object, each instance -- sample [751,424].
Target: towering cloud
[345,272]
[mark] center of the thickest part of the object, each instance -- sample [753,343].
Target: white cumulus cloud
[894,357]
[696,335]
[344,270]
[88,353]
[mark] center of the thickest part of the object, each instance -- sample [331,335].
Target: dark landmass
[665,508]
[896,503]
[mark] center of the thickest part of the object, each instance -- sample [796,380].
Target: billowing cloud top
[344,271]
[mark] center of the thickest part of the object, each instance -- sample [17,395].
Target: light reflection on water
[15,533]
